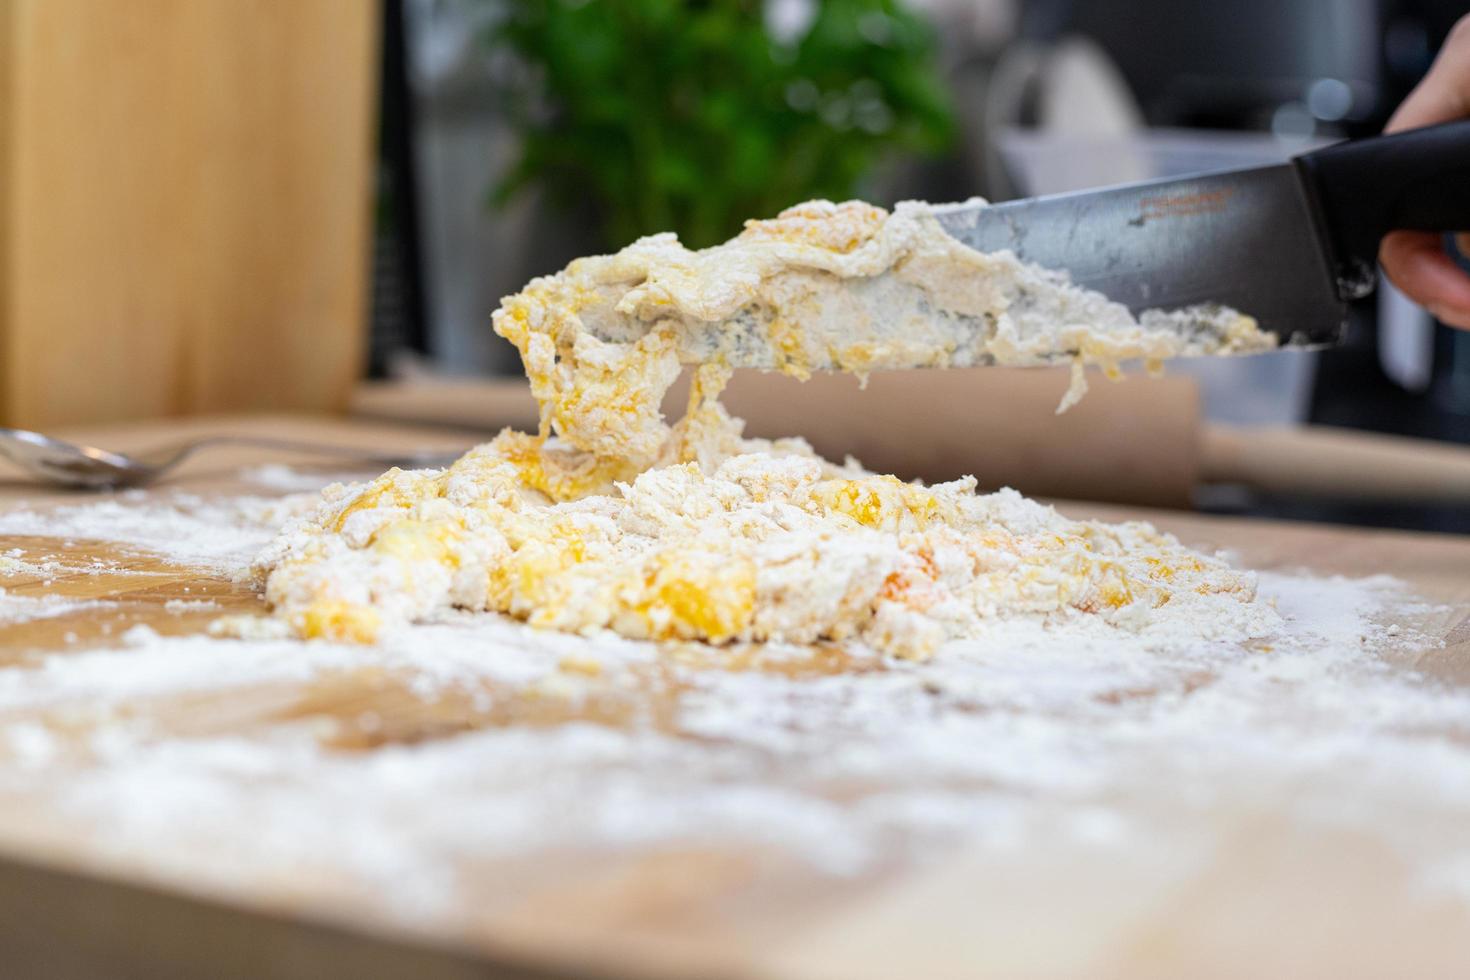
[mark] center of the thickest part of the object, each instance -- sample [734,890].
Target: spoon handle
[167,458]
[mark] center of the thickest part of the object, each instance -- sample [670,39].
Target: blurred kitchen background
[229,151]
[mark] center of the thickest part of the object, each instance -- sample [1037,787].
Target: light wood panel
[186,205]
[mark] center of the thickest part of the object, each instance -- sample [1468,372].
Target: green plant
[691,116]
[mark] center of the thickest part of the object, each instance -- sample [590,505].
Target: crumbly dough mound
[690,532]
[772,544]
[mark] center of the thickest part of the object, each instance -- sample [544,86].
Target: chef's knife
[1290,244]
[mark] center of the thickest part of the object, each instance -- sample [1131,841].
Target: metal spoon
[67,464]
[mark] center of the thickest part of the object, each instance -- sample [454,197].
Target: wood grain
[184,220]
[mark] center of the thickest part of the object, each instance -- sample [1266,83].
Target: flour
[24,608]
[14,564]
[138,635]
[1035,732]
[185,528]
[180,606]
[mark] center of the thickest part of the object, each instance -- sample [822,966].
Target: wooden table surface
[68,910]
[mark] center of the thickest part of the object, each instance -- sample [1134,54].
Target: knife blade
[1247,239]
[1290,245]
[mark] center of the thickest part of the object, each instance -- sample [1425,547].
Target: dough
[609,518]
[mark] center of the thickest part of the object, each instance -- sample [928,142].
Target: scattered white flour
[21,609]
[139,635]
[988,742]
[178,606]
[1019,742]
[188,529]
[13,564]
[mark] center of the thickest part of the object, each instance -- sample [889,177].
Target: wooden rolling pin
[1140,441]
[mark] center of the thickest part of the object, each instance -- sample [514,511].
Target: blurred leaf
[687,115]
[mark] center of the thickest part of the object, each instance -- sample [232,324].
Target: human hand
[1416,261]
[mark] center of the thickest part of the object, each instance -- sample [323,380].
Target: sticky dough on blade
[821,287]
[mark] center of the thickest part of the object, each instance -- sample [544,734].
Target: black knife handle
[1418,180]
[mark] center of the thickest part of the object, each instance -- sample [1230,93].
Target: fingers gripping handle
[1416,180]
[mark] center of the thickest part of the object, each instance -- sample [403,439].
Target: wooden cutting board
[68,908]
